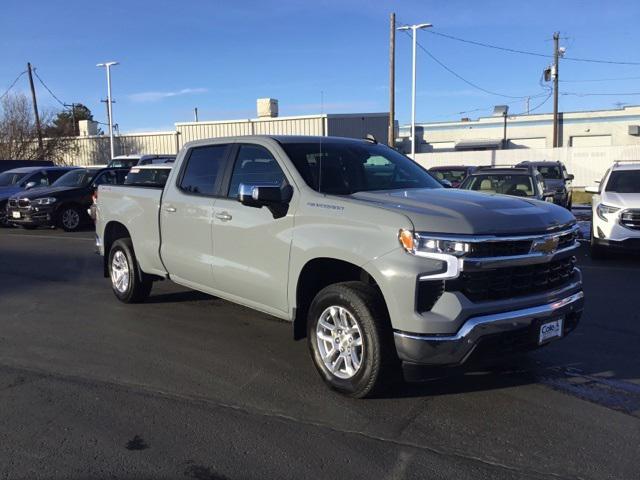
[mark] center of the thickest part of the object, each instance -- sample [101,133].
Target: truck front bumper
[515,330]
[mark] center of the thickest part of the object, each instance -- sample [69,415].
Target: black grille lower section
[500,249]
[509,282]
[428,293]
[631,219]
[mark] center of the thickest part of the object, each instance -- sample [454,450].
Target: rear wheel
[129,283]
[351,341]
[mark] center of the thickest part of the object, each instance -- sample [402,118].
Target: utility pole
[195,114]
[35,111]
[73,117]
[526,105]
[556,38]
[391,140]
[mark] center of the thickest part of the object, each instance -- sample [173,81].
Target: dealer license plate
[551,330]
[15,214]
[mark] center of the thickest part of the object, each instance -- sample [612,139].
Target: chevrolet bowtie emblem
[545,245]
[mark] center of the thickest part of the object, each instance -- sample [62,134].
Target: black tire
[379,366]
[70,218]
[138,286]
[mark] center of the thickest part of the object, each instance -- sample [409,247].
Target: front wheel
[351,341]
[70,218]
[129,283]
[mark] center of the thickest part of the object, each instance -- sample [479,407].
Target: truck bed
[136,208]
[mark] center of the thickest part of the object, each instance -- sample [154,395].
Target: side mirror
[570,177]
[258,195]
[30,185]
[592,189]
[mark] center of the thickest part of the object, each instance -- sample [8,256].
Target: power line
[600,80]
[598,94]
[48,89]
[541,103]
[525,52]
[468,82]
[12,85]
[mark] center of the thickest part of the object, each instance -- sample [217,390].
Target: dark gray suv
[514,181]
[556,179]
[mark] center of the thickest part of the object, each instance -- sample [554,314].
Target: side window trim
[218,191]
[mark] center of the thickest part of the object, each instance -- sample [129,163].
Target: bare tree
[18,136]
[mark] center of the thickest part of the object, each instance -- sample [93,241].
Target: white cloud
[157,96]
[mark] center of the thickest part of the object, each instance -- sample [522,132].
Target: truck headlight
[416,244]
[603,210]
[43,201]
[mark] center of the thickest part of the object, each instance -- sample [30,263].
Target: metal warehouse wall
[358,126]
[95,150]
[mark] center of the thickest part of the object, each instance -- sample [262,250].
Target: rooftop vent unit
[267,108]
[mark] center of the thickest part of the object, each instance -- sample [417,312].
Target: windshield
[123,163]
[79,177]
[349,167]
[550,172]
[147,177]
[624,181]
[507,184]
[8,179]
[453,175]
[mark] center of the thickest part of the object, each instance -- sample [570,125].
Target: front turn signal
[406,239]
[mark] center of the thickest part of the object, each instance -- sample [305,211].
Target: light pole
[504,111]
[108,66]
[414,29]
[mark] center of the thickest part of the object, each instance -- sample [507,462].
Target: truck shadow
[177,297]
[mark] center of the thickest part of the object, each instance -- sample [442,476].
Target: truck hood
[622,200]
[464,212]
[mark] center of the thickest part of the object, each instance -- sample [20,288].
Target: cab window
[254,164]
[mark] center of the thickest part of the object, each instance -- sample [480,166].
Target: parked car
[518,182]
[128,161]
[616,209]
[556,178]
[454,175]
[25,178]
[355,244]
[151,176]
[13,164]
[65,202]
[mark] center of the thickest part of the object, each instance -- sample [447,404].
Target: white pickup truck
[358,246]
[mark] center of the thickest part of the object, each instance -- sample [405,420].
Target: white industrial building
[90,148]
[598,128]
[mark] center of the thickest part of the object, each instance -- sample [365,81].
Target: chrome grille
[631,219]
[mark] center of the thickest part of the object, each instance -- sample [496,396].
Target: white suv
[616,209]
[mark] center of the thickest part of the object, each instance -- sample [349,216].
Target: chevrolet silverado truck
[359,247]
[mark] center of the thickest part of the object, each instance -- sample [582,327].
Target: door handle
[224,216]
[170,209]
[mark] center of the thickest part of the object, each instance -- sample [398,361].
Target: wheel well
[112,232]
[317,274]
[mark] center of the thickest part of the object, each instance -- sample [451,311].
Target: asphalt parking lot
[190,386]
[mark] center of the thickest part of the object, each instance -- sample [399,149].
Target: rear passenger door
[251,246]
[186,215]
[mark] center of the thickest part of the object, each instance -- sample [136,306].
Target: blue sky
[220,56]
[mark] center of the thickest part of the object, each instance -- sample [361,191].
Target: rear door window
[203,171]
